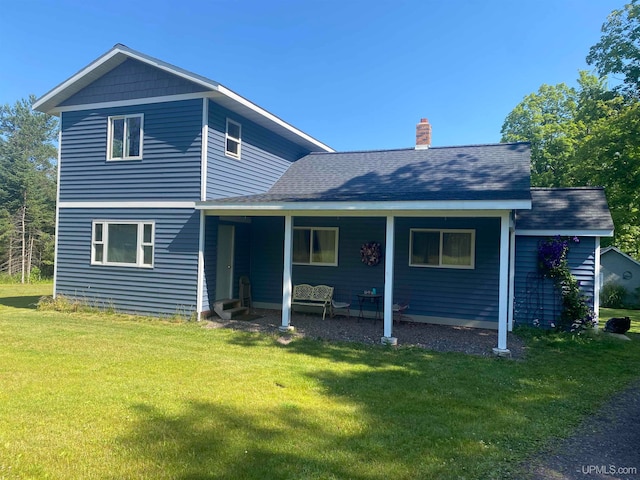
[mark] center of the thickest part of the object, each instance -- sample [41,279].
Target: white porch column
[596,282]
[388,283]
[512,275]
[200,283]
[503,287]
[286,274]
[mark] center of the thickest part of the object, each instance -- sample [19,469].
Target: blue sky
[357,75]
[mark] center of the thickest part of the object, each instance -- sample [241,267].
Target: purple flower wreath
[370,253]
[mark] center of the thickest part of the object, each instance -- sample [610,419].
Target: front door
[224,268]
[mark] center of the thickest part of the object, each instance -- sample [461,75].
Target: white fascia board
[80,80]
[126,204]
[271,117]
[564,233]
[75,78]
[451,208]
[617,250]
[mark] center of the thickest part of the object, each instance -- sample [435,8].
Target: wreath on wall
[370,253]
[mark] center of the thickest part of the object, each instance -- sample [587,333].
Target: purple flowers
[552,255]
[576,313]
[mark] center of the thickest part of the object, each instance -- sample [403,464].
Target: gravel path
[441,338]
[605,447]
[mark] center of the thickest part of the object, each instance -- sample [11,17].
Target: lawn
[634,315]
[87,395]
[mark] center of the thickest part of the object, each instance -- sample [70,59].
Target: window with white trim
[122,243]
[315,246]
[233,139]
[442,248]
[125,137]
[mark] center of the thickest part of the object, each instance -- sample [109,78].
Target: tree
[547,119]
[585,137]
[27,184]
[610,156]
[618,51]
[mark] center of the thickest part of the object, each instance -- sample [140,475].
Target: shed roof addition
[566,211]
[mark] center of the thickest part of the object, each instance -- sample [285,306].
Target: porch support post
[596,282]
[503,287]
[286,274]
[512,275]
[388,283]
[200,282]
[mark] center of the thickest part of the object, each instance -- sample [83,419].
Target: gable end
[130,80]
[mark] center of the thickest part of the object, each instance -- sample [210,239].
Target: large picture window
[125,137]
[315,246]
[122,243]
[442,248]
[233,139]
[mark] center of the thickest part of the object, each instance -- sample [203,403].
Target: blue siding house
[172,187]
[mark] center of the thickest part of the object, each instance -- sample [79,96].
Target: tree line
[28,166]
[589,135]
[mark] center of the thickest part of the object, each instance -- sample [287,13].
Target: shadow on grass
[400,413]
[207,440]
[30,302]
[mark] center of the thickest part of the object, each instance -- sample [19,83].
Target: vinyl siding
[466,294]
[241,258]
[613,267]
[167,288]
[435,292]
[535,297]
[169,169]
[132,79]
[264,157]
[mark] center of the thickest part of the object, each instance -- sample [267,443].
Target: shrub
[612,295]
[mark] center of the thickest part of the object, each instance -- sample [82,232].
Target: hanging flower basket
[370,253]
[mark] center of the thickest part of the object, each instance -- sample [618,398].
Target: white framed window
[442,248]
[122,243]
[315,246]
[125,134]
[233,139]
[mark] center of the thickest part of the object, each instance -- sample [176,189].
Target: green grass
[86,395]
[634,315]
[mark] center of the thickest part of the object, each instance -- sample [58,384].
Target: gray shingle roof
[583,208]
[478,172]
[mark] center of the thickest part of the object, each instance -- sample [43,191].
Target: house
[616,267]
[171,187]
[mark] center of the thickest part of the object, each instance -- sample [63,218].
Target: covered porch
[263,249]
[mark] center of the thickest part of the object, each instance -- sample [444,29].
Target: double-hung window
[442,248]
[315,246]
[233,139]
[122,243]
[125,137]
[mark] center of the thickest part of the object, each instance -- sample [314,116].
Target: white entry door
[224,267]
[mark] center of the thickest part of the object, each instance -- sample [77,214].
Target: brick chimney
[423,134]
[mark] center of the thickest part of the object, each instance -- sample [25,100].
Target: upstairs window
[315,246]
[233,139]
[128,244]
[125,137]
[442,248]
